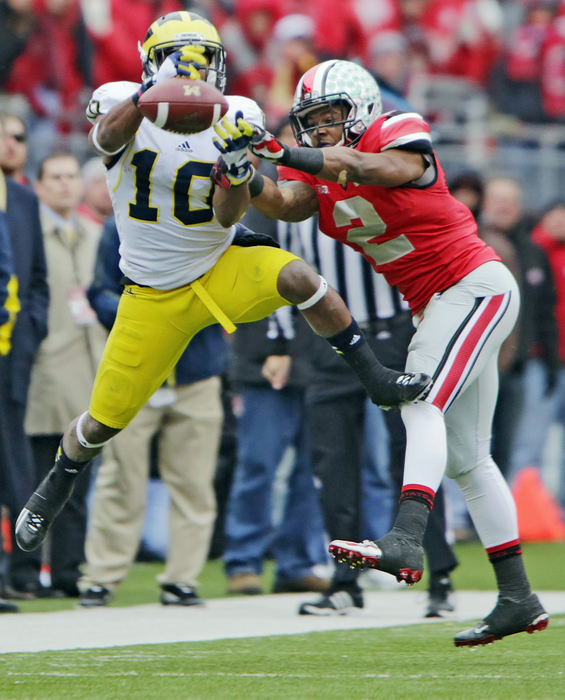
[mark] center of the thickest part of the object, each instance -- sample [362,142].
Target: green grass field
[398,662]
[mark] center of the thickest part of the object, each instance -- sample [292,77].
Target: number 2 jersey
[418,236]
[162,196]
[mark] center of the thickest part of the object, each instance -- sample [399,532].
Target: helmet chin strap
[143,57]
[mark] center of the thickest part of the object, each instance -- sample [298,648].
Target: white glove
[232,143]
[186,63]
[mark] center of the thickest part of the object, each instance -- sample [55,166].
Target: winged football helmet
[333,82]
[171,32]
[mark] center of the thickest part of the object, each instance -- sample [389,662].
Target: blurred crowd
[55,52]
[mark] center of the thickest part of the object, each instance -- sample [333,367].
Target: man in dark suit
[9,306]
[17,470]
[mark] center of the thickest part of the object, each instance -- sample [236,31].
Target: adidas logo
[356,338]
[405,379]
[184,146]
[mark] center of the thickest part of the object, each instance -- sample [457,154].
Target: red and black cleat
[394,554]
[508,617]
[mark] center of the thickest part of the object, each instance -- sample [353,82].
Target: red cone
[539,515]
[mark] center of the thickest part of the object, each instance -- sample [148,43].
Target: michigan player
[359,166]
[183,268]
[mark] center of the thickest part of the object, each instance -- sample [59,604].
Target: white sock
[426,445]
[490,504]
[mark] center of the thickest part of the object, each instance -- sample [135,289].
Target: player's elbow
[226,219]
[230,205]
[228,216]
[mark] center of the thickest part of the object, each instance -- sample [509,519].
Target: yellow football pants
[153,327]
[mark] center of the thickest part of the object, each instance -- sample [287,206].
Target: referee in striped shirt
[336,415]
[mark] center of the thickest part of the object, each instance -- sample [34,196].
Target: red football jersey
[419,237]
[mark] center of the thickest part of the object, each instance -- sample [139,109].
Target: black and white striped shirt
[365,292]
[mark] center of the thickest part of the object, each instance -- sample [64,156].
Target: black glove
[246,238]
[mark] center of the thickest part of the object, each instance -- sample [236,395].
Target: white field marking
[60,674]
[223,674]
[162,114]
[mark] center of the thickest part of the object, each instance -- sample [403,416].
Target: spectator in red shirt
[517,81]
[287,56]
[115,28]
[340,32]
[553,71]
[455,37]
[549,234]
[245,36]
[49,72]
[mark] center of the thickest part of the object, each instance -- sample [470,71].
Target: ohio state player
[378,187]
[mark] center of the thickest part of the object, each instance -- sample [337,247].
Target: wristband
[308,160]
[142,88]
[96,143]
[256,184]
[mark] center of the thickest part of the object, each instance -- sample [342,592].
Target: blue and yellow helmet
[171,32]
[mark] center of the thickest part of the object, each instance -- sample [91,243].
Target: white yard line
[227,618]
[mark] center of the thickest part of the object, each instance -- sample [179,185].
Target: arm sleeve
[406,130]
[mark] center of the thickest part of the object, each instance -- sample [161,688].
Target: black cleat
[394,553]
[95,597]
[402,388]
[7,606]
[439,597]
[179,594]
[386,387]
[340,602]
[43,506]
[508,617]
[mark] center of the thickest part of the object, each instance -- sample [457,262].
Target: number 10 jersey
[162,196]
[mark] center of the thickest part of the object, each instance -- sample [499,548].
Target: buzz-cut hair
[55,155]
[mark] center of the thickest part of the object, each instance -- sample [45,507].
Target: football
[183,106]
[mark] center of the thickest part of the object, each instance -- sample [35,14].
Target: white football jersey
[162,196]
